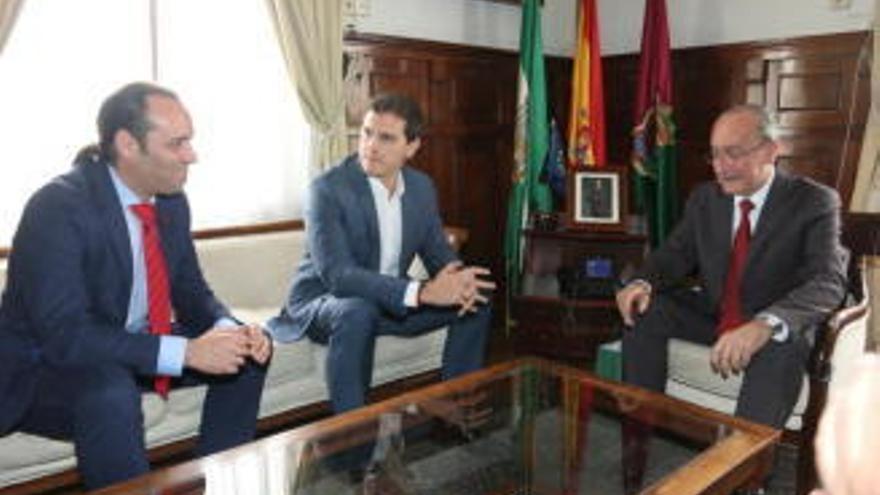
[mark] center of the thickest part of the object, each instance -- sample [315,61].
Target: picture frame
[597,199]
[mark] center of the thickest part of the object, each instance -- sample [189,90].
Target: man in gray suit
[759,313]
[366,219]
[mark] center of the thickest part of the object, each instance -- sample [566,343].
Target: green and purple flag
[653,155]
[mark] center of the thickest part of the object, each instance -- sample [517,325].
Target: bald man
[763,247]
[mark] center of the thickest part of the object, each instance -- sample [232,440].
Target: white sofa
[251,274]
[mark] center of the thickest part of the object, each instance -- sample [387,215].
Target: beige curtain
[8,12]
[310,34]
[866,193]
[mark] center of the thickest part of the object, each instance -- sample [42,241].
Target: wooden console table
[565,307]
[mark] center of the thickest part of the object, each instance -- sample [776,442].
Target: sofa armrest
[846,319]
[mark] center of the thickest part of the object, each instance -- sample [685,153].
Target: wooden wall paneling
[813,153]
[476,103]
[703,86]
[811,82]
[438,159]
[559,90]
[478,199]
[808,91]
[620,75]
[815,85]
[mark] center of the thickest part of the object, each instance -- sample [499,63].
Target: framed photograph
[597,199]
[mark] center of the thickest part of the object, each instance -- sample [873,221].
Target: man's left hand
[733,351]
[259,343]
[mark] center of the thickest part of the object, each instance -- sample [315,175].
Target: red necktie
[158,301]
[731,307]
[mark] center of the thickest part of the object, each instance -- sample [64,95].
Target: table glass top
[528,426]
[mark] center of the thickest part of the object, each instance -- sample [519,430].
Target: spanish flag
[586,123]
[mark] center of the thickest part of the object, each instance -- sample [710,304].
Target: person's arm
[822,268]
[195,305]
[67,277]
[328,244]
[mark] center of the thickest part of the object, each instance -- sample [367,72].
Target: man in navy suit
[366,219]
[76,350]
[791,277]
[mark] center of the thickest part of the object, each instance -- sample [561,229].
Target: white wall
[692,22]
[712,22]
[471,22]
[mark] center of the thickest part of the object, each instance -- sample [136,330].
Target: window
[222,59]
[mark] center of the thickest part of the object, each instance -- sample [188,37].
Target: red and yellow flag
[586,123]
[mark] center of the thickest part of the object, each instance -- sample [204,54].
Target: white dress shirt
[389,217]
[172,348]
[758,198]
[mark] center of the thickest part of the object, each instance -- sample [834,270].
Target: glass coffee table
[528,426]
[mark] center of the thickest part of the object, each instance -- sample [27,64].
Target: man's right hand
[218,351]
[632,300]
[458,285]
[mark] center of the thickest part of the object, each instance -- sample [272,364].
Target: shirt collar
[380,190]
[758,197]
[126,196]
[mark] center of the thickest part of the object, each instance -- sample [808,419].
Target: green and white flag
[531,141]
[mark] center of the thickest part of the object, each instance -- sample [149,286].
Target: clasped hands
[457,285]
[731,352]
[223,351]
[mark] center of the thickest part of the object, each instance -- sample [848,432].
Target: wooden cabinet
[565,304]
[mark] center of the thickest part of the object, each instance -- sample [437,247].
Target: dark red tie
[731,306]
[158,301]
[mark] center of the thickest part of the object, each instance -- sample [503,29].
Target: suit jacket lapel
[165,221]
[108,206]
[410,215]
[772,213]
[367,206]
[721,216]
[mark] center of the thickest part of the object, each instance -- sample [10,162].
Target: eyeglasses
[733,153]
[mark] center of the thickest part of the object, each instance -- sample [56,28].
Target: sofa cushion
[689,364]
[251,271]
[24,457]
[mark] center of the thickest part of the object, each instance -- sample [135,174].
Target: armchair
[838,342]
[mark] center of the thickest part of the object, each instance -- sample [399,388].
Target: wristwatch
[778,329]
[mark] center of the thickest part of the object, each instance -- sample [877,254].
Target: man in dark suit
[366,219]
[764,248]
[85,321]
